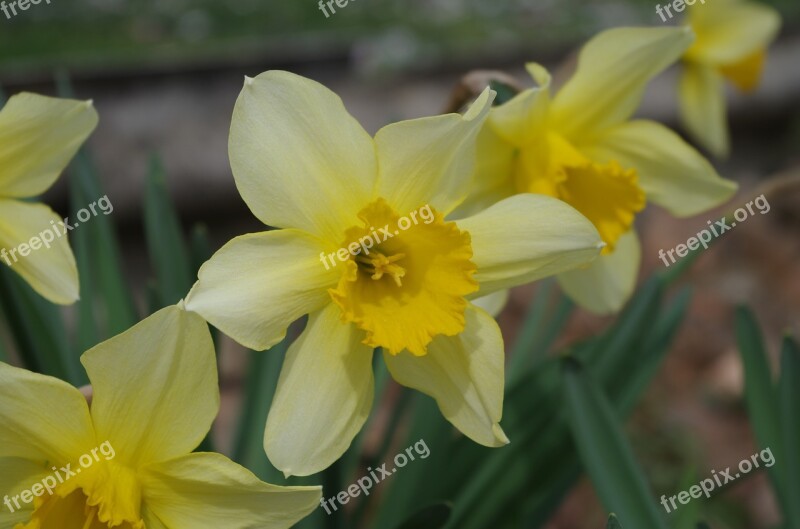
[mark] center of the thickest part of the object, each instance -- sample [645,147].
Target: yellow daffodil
[581,147]
[38,137]
[732,41]
[302,163]
[126,462]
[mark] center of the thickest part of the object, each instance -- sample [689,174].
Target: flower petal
[18,475]
[42,418]
[464,374]
[613,70]
[522,119]
[298,158]
[703,107]
[727,32]
[527,237]
[493,179]
[38,136]
[672,173]
[494,303]
[209,491]
[50,271]
[605,285]
[430,160]
[155,387]
[324,395]
[258,284]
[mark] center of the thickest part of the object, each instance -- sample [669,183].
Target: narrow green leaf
[529,331]
[613,522]
[37,328]
[262,380]
[505,92]
[790,421]
[604,451]
[107,269]
[431,517]
[199,248]
[761,394]
[88,334]
[686,517]
[165,241]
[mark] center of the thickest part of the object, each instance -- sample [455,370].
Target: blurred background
[164,76]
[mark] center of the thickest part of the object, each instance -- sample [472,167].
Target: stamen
[90,519]
[377,265]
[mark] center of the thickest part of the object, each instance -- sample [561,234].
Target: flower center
[606,194]
[100,497]
[408,279]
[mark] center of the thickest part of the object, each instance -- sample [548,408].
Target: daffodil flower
[155,397]
[38,137]
[302,163]
[580,146]
[732,41]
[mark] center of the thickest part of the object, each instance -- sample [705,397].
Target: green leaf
[789,387]
[505,92]
[761,394]
[262,380]
[88,334]
[431,517]
[165,242]
[38,330]
[613,522]
[604,451]
[113,295]
[686,517]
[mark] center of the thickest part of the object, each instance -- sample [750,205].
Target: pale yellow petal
[613,71]
[523,119]
[42,418]
[430,160]
[672,173]
[38,136]
[33,243]
[209,491]
[703,107]
[605,285]
[727,32]
[155,387]
[324,395]
[298,158]
[258,284]
[527,237]
[494,303]
[18,475]
[493,179]
[464,374]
